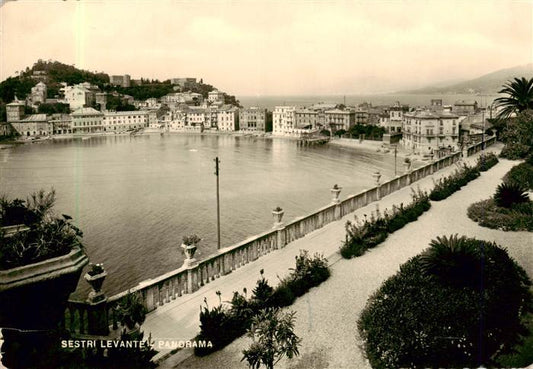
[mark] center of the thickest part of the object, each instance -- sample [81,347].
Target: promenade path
[326,316]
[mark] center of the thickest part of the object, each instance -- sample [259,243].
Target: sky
[273,47]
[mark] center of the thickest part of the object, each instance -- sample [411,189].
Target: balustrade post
[97,312]
[377,176]
[192,277]
[335,192]
[279,227]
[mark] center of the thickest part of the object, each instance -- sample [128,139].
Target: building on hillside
[337,119]
[465,107]
[33,125]
[123,121]
[40,75]
[426,132]
[123,81]
[38,94]
[183,82]
[87,120]
[189,98]
[101,100]
[228,118]
[255,119]
[61,124]
[79,96]
[215,96]
[15,110]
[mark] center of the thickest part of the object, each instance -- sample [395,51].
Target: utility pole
[218,203]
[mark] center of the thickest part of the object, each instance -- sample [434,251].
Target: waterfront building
[337,119]
[395,119]
[283,120]
[6,129]
[61,124]
[255,119]
[228,118]
[38,94]
[361,116]
[123,121]
[306,119]
[124,81]
[87,120]
[427,131]
[465,107]
[33,125]
[15,110]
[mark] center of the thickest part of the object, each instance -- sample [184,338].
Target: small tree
[273,338]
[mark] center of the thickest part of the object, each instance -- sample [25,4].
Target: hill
[53,73]
[489,83]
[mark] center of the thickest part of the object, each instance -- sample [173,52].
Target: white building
[87,120]
[215,96]
[122,121]
[228,118]
[78,96]
[428,131]
[38,93]
[284,120]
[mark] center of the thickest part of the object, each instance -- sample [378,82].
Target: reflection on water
[136,197]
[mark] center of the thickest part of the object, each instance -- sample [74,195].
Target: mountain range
[487,84]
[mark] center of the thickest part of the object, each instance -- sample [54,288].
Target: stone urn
[278,216]
[95,277]
[407,166]
[377,177]
[34,298]
[189,246]
[335,192]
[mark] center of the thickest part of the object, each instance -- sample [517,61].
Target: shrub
[509,194]
[419,319]
[223,324]
[446,186]
[515,151]
[486,161]
[488,214]
[363,235]
[521,174]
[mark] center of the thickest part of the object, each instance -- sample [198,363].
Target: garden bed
[489,215]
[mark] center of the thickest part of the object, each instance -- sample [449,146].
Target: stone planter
[36,297]
[189,251]
[96,281]
[37,293]
[335,192]
[12,230]
[278,216]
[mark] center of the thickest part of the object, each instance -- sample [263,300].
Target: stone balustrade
[191,277]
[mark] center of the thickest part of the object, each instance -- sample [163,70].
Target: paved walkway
[327,315]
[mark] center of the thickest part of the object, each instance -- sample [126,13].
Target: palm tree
[453,260]
[520,97]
